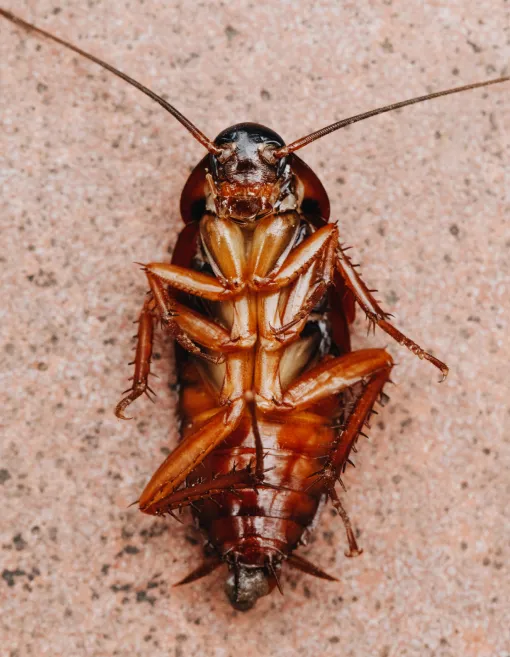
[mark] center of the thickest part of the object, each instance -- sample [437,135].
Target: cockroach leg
[168,315]
[298,260]
[334,375]
[354,550]
[189,453]
[354,426]
[315,296]
[209,333]
[190,281]
[328,476]
[142,360]
[228,483]
[322,279]
[375,313]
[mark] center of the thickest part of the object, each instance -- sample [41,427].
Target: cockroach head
[245,178]
[246,584]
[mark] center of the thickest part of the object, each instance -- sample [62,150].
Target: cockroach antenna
[197,134]
[317,134]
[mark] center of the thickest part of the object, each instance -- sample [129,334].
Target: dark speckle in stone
[4,475]
[10,575]
[231,32]
[19,542]
[141,596]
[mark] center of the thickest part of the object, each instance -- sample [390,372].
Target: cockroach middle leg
[142,362]
[183,324]
[375,313]
[354,550]
[298,260]
[322,276]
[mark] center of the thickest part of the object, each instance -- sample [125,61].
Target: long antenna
[198,134]
[304,141]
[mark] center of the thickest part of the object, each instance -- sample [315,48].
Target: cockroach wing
[186,245]
[315,206]
[193,193]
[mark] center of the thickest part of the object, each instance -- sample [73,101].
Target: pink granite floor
[91,175]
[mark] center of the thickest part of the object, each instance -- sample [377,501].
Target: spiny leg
[189,495]
[242,334]
[298,260]
[354,550]
[311,250]
[334,375]
[322,278]
[375,313]
[142,360]
[188,454]
[342,447]
[174,316]
[184,325]
[190,281]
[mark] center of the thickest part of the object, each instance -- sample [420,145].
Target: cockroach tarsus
[259,297]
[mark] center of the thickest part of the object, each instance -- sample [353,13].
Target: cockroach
[259,298]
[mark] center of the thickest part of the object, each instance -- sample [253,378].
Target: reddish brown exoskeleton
[259,298]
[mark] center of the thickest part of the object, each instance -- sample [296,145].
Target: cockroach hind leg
[354,550]
[204,490]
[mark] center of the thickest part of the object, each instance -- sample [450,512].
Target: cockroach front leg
[301,258]
[142,360]
[315,283]
[317,248]
[192,282]
[375,313]
[167,311]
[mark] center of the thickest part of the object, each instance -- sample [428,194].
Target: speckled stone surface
[91,176]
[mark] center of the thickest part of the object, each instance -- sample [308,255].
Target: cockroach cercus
[259,297]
